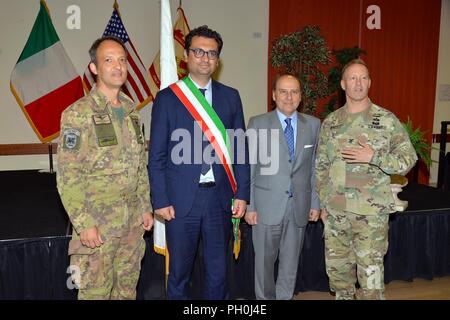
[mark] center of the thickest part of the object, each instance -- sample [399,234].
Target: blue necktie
[205,166]
[289,135]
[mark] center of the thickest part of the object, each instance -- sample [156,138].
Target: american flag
[137,85]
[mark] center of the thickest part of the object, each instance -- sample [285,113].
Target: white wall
[243,25]
[442,108]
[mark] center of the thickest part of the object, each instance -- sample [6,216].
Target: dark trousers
[206,222]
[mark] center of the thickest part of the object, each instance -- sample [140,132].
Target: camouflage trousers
[110,271]
[355,246]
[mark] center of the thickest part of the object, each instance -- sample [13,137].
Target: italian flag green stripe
[42,36]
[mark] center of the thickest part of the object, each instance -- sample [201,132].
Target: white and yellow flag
[169,66]
[180,30]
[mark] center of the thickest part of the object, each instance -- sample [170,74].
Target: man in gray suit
[283,198]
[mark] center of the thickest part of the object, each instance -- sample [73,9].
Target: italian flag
[44,80]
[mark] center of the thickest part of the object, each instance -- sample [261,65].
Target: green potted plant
[304,53]
[422,148]
[419,142]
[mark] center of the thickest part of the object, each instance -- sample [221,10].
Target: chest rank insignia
[376,122]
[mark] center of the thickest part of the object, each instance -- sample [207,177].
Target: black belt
[207,184]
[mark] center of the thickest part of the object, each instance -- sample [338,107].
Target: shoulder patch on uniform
[136,126]
[71,139]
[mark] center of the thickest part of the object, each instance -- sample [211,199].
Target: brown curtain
[402,55]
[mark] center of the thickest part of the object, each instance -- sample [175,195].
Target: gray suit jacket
[269,189]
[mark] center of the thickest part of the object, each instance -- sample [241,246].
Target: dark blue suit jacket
[176,184]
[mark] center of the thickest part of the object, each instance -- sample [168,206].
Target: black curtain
[36,267]
[419,246]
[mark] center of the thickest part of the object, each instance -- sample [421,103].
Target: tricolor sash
[209,122]
[214,130]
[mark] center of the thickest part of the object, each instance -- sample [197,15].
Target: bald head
[287,94]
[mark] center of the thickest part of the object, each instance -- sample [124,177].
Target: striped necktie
[289,135]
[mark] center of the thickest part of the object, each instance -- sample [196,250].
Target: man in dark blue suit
[197,185]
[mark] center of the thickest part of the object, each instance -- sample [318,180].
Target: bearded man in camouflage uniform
[360,145]
[103,181]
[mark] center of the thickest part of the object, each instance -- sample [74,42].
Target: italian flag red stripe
[47,123]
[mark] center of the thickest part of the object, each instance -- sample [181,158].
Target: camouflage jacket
[362,188]
[102,165]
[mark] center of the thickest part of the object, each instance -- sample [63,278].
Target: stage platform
[34,236]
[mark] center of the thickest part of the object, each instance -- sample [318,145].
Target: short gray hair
[96,44]
[354,61]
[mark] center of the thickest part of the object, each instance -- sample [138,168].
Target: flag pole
[116,7]
[169,75]
[50,155]
[46,8]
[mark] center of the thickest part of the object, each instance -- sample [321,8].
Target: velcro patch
[135,121]
[71,139]
[104,129]
[101,119]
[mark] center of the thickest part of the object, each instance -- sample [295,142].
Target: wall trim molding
[24,149]
[27,149]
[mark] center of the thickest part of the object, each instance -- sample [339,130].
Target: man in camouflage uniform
[103,181]
[360,145]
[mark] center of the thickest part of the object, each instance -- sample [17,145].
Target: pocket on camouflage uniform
[108,182]
[86,265]
[76,247]
[108,172]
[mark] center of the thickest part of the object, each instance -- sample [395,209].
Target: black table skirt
[418,247]
[36,267]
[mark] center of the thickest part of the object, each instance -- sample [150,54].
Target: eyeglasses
[199,53]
